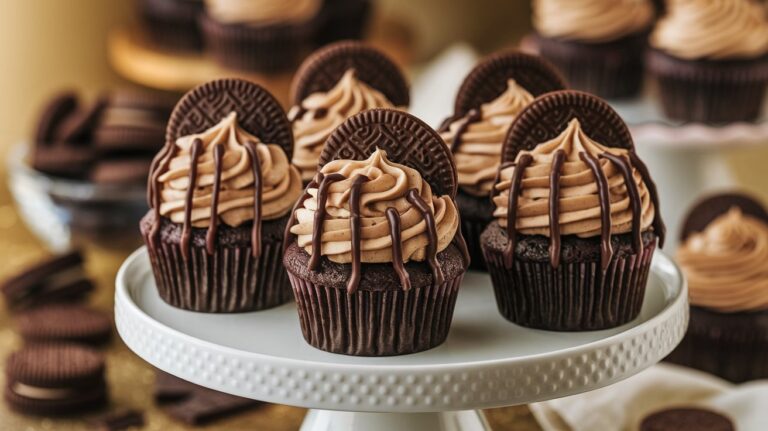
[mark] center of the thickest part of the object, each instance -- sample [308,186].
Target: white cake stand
[486,361]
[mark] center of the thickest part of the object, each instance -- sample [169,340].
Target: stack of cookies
[59,371]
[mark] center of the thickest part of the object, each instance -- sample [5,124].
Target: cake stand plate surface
[485,362]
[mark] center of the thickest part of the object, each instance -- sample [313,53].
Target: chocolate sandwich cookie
[565,258]
[63,160]
[55,380]
[489,99]
[687,419]
[59,278]
[58,109]
[323,70]
[120,171]
[77,128]
[229,262]
[724,258]
[64,323]
[413,258]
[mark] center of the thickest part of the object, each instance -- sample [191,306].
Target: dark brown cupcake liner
[733,346]
[343,19]
[172,24]
[575,296]
[710,91]
[228,281]
[610,70]
[267,49]
[375,323]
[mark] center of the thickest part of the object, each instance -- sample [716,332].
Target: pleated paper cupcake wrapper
[732,346]
[343,20]
[267,49]
[228,281]
[709,93]
[611,71]
[573,297]
[375,323]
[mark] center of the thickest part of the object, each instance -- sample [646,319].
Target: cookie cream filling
[41,393]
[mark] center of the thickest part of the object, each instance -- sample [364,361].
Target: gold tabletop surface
[130,378]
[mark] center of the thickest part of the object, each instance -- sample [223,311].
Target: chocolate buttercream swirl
[727,264]
[320,113]
[387,187]
[262,11]
[599,190]
[591,20]
[713,29]
[477,137]
[225,179]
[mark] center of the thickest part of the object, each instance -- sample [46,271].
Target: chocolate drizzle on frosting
[211,167]
[322,198]
[429,218]
[514,191]
[186,232]
[624,163]
[473,116]
[356,235]
[250,147]
[353,209]
[554,209]
[210,237]
[606,250]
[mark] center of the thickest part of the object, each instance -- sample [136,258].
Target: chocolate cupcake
[598,45]
[724,256]
[374,250]
[227,154]
[333,84]
[489,99]
[579,262]
[710,59]
[268,36]
[172,24]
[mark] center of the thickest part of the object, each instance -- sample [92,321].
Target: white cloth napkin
[622,406]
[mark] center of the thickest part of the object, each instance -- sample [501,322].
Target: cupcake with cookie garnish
[377,232]
[220,194]
[266,36]
[489,99]
[710,58]
[724,256]
[597,44]
[333,84]
[577,218]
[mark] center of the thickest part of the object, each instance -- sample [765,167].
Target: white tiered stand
[485,362]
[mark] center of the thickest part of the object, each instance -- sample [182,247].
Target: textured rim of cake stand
[403,388]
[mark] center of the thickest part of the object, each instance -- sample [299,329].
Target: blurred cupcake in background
[267,36]
[710,58]
[597,44]
[724,256]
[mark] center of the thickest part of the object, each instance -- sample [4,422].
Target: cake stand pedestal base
[327,420]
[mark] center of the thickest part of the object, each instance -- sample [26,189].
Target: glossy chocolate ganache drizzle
[573,185]
[223,174]
[374,211]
